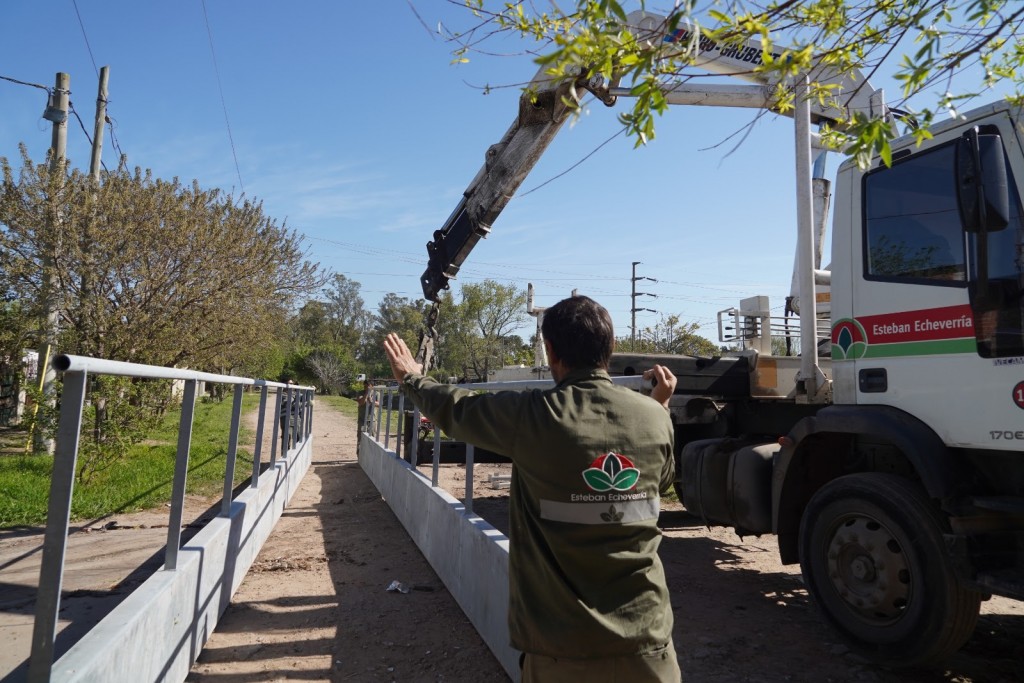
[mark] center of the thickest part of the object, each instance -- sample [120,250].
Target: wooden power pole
[97,130]
[57,112]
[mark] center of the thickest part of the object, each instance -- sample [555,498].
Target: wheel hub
[868,569]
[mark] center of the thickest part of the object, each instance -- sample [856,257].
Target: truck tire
[873,558]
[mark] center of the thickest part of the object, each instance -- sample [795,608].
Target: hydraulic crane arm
[543,108]
[545,105]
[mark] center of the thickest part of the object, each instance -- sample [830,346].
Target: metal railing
[294,413]
[382,404]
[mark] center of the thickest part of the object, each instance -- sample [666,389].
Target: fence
[184,599]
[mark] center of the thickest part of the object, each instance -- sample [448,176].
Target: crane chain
[428,334]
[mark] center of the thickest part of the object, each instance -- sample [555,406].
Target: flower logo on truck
[849,340]
[611,472]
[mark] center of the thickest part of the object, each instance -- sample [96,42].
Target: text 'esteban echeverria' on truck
[891,467]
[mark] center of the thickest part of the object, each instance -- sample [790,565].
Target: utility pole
[90,308]
[633,308]
[97,130]
[540,356]
[57,112]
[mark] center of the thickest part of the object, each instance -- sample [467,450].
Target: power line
[113,139]
[556,177]
[15,80]
[85,132]
[223,103]
[87,46]
[71,106]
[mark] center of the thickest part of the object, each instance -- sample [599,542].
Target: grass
[143,480]
[346,406]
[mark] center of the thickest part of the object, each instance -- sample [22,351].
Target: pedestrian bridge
[156,633]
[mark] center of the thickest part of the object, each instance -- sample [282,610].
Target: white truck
[892,468]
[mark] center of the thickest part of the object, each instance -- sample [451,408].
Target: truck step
[1010,504]
[1007,582]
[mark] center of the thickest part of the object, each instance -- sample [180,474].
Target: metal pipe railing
[76,370]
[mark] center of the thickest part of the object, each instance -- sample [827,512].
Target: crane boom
[545,105]
[543,108]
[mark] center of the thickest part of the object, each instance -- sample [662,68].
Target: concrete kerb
[467,553]
[183,606]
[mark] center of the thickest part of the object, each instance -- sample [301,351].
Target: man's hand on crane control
[401,359]
[664,383]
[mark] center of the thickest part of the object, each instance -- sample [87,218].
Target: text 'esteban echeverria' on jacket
[590,460]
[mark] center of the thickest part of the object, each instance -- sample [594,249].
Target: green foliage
[396,314]
[16,327]
[337,319]
[118,414]
[332,369]
[671,336]
[40,417]
[263,361]
[944,53]
[328,336]
[475,334]
[146,270]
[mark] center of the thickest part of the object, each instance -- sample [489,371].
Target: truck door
[930,334]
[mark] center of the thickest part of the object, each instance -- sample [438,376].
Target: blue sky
[349,122]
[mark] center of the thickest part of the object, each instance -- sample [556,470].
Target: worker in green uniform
[587,594]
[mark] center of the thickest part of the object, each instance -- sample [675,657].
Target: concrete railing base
[468,554]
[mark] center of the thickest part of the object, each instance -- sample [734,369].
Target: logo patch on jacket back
[611,471]
[612,497]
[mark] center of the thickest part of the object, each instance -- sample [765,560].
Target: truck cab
[926,312]
[903,497]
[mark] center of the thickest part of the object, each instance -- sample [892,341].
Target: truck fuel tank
[728,482]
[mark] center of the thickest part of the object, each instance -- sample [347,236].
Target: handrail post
[414,443]
[55,540]
[229,467]
[437,455]
[400,440]
[279,406]
[380,410]
[286,431]
[257,452]
[188,406]
[310,395]
[470,452]
[387,426]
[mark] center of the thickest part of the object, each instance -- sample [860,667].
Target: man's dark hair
[580,332]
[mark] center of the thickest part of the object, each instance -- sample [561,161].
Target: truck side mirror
[981,182]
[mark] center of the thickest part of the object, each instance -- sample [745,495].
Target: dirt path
[315,605]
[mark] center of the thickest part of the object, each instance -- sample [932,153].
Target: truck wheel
[873,558]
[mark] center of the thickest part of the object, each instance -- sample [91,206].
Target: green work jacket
[590,459]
